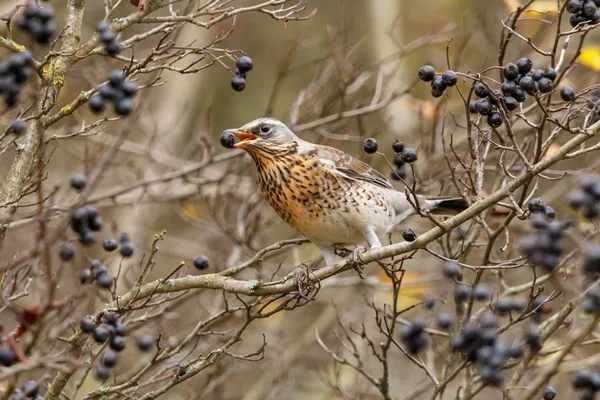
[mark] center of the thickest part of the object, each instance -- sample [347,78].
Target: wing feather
[351,168]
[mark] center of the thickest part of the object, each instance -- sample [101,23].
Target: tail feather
[445,205]
[448,205]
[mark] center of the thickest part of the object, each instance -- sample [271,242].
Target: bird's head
[263,134]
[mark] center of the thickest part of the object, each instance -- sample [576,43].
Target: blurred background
[368,49]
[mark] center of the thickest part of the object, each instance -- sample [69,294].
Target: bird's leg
[356,261]
[329,255]
[372,238]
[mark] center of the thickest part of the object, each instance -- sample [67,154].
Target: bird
[333,199]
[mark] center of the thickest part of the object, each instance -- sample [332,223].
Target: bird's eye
[264,128]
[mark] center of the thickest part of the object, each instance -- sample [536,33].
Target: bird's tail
[447,205]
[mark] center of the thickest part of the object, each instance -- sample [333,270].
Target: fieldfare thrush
[330,197]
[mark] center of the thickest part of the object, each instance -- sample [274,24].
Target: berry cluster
[14,72]
[439,83]
[480,344]
[85,221]
[37,21]
[583,11]
[508,304]
[404,155]
[110,330]
[243,66]
[398,161]
[29,390]
[119,91]
[586,381]
[98,272]
[414,336]
[519,80]
[587,197]
[545,247]
[108,38]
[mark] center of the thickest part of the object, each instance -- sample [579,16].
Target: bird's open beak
[245,138]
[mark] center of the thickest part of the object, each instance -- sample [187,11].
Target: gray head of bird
[263,134]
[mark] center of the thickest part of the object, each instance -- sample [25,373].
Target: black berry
[545,85]
[123,107]
[244,64]
[7,357]
[110,245]
[117,343]
[510,71]
[18,127]
[549,393]
[238,83]
[484,107]
[481,293]
[370,146]
[481,90]
[116,78]
[102,372]
[96,104]
[398,146]
[227,140]
[87,325]
[66,252]
[449,78]
[550,73]
[509,87]
[409,235]
[536,205]
[510,103]
[109,359]
[85,276]
[408,155]
[105,281]
[574,6]
[426,73]
[444,320]
[201,262]
[30,389]
[101,334]
[528,85]
[144,343]
[120,329]
[494,119]
[567,93]
[126,249]
[451,269]
[524,65]
[78,181]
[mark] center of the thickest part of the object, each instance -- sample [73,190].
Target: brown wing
[352,168]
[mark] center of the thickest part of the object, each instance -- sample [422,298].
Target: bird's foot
[356,261]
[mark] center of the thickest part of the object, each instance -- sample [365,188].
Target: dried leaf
[191,209]
[538,9]
[590,57]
